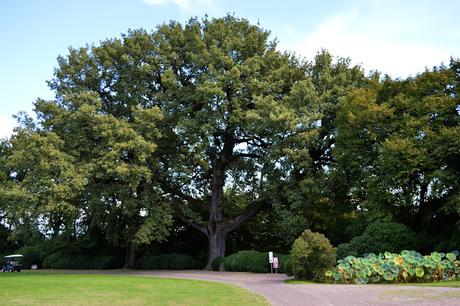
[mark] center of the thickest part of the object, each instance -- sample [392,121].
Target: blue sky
[396,37]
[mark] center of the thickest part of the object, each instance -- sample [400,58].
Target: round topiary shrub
[311,256]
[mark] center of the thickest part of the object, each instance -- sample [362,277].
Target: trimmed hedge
[62,260]
[168,262]
[32,256]
[252,261]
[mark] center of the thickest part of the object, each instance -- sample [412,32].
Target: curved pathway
[279,293]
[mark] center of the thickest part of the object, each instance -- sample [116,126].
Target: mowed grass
[453,284]
[80,289]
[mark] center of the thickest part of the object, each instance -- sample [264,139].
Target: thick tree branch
[250,155]
[251,211]
[167,187]
[180,213]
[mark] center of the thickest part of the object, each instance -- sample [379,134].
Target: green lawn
[454,283]
[73,289]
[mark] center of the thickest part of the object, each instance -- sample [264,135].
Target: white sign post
[270,260]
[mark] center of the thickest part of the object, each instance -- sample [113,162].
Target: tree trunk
[216,244]
[130,256]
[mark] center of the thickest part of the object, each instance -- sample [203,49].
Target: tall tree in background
[397,141]
[113,155]
[309,195]
[223,91]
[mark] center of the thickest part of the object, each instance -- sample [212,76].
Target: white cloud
[374,44]
[6,126]
[182,4]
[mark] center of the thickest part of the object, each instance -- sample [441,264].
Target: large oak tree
[229,103]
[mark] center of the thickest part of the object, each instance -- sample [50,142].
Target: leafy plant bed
[406,267]
[33,288]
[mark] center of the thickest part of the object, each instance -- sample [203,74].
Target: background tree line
[204,139]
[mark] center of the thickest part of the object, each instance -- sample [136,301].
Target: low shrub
[37,253]
[311,256]
[247,261]
[149,263]
[407,267]
[285,264]
[346,249]
[215,263]
[63,260]
[183,262]
[380,237]
[252,261]
[31,257]
[168,262]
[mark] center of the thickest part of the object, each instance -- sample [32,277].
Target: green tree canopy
[193,115]
[396,144]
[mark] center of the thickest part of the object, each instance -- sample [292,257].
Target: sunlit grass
[83,289]
[453,283]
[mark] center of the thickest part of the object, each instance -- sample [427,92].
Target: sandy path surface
[279,293]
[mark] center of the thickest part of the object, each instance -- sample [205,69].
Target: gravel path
[279,293]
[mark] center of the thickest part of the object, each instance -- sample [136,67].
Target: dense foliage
[62,260]
[380,237]
[168,262]
[203,138]
[408,266]
[311,256]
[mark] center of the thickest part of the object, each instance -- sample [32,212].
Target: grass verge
[453,284]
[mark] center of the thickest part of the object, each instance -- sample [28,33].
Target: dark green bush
[346,249]
[215,263]
[165,261]
[288,267]
[31,257]
[285,264]
[381,237]
[183,262]
[247,261]
[63,260]
[252,261]
[149,263]
[311,256]
[168,262]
